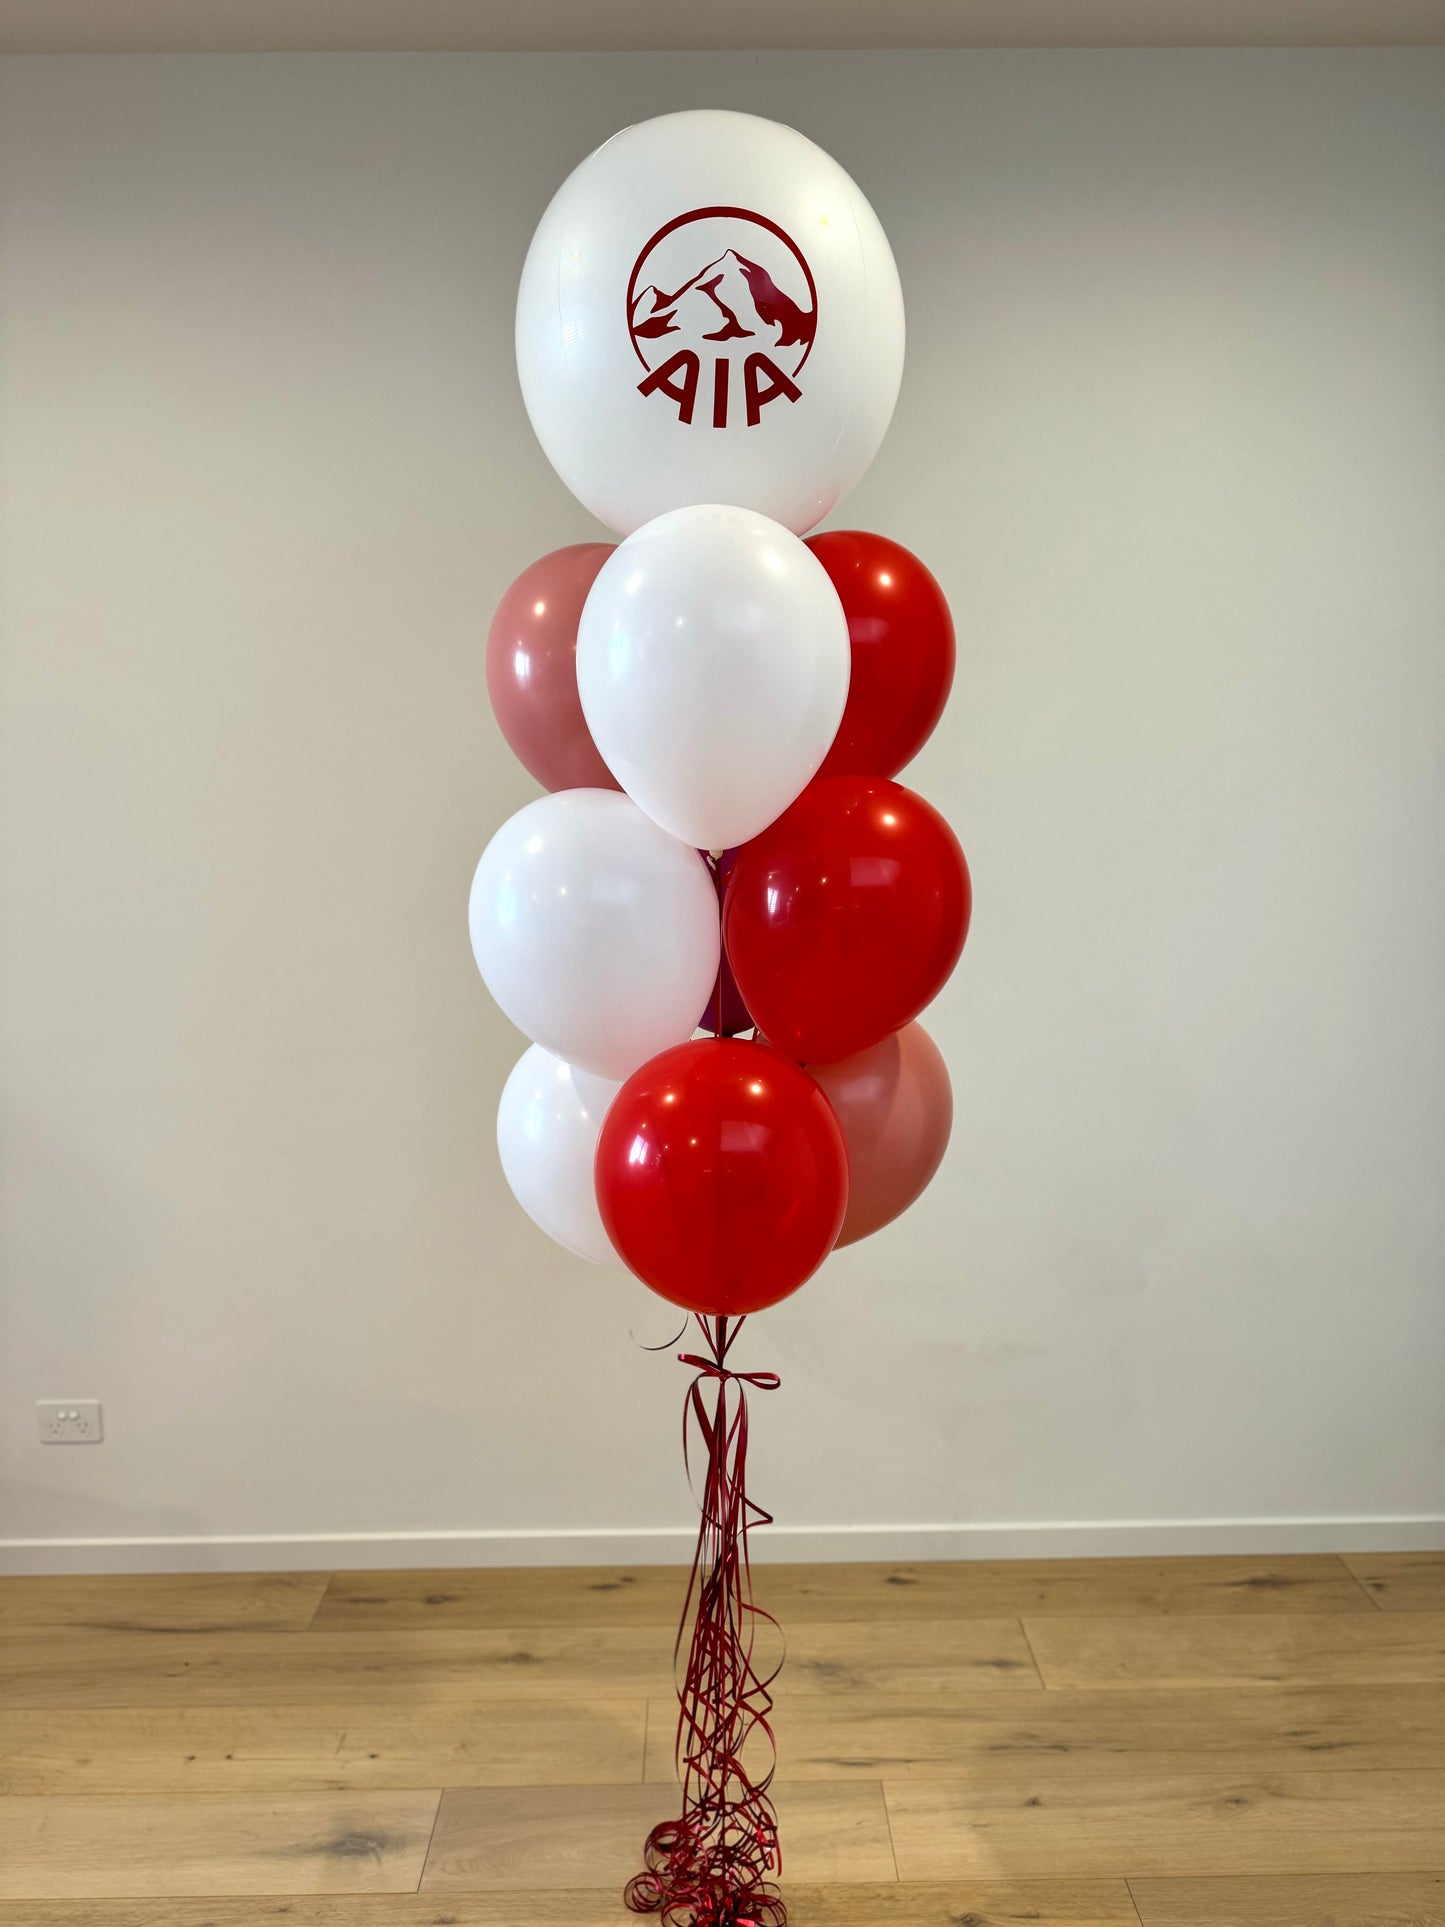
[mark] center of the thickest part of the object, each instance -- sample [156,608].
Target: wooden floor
[1177,1743]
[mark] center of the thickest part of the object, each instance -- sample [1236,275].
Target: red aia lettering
[677,378]
[754,368]
[684,392]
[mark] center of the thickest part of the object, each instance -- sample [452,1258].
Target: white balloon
[713,664]
[709,312]
[547,1126]
[595,931]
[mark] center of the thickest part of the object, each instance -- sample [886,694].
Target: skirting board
[672,1545]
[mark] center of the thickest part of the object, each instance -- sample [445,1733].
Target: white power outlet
[68,1421]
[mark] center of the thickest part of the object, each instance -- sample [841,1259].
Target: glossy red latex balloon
[721,1176]
[532,669]
[903,652]
[846,916]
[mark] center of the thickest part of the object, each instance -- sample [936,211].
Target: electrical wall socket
[68,1421]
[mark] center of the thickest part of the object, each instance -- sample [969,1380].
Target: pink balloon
[895,1105]
[532,669]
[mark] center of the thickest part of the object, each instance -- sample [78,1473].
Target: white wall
[1171,437]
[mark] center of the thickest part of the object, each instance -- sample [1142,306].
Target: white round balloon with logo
[709,312]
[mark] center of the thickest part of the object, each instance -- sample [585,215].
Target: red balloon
[846,916]
[532,669]
[902,640]
[721,1176]
[726,1013]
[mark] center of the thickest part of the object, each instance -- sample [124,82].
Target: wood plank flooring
[1124,1743]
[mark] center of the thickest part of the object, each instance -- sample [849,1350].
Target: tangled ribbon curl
[716,1866]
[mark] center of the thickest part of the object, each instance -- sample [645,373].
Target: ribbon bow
[713,1368]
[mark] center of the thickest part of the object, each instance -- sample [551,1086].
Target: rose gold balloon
[532,669]
[895,1105]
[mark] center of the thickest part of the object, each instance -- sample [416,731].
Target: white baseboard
[672,1545]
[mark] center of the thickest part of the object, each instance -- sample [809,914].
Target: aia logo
[721,309]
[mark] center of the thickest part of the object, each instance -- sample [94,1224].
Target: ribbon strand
[716,1865]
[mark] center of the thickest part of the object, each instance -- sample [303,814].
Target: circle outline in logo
[731,213]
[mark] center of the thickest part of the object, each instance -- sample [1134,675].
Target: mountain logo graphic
[722,311]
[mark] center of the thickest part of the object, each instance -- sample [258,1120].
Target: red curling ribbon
[716,1865]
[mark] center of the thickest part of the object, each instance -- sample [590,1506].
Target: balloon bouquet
[710,342]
